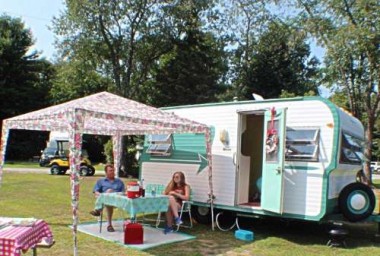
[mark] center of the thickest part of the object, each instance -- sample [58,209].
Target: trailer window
[159,144]
[351,150]
[302,144]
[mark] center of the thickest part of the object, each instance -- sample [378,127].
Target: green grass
[376,183]
[30,164]
[21,164]
[48,197]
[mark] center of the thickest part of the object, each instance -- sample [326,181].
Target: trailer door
[273,160]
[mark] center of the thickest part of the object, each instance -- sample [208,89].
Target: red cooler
[133,189]
[133,233]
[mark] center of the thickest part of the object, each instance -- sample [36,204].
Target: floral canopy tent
[101,114]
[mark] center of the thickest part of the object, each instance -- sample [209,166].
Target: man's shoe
[110,229]
[95,213]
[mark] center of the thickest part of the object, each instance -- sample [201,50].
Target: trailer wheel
[356,201]
[201,214]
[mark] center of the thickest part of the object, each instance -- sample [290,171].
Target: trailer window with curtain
[302,144]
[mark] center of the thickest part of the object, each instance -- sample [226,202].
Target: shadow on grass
[310,233]
[302,233]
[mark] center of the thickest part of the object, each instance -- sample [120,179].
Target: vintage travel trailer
[295,158]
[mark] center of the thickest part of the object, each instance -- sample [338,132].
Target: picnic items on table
[133,189]
[17,235]
[133,206]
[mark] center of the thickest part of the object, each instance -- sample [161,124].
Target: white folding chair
[186,208]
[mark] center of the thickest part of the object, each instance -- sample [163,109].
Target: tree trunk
[368,148]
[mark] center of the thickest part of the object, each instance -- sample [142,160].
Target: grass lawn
[30,164]
[21,164]
[48,197]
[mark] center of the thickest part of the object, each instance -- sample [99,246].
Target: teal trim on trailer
[328,206]
[300,167]
[328,119]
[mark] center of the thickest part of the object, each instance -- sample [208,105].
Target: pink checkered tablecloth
[17,238]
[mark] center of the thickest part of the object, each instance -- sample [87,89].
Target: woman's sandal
[110,229]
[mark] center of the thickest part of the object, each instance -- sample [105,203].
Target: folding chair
[186,208]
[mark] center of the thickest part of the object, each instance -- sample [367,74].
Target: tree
[193,70]
[281,62]
[116,37]
[267,56]
[25,81]
[76,79]
[244,20]
[350,32]
[117,41]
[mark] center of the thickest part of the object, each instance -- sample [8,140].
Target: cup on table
[153,192]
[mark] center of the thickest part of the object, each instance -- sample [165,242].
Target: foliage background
[167,53]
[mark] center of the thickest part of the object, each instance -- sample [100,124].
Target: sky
[37,16]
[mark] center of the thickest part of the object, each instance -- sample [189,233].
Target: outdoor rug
[152,236]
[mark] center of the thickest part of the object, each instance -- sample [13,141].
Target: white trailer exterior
[292,158]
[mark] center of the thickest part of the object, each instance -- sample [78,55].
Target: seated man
[107,185]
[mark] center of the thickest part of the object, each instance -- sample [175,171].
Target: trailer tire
[356,201]
[201,214]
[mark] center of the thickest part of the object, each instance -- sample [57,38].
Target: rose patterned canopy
[102,114]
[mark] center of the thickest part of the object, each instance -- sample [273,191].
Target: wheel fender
[356,201]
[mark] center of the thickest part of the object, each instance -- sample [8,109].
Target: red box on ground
[133,233]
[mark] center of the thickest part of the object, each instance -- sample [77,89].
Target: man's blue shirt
[102,185]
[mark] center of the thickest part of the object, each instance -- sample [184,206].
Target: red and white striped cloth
[15,239]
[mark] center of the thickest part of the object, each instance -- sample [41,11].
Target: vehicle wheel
[356,201]
[91,171]
[54,169]
[201,214]
[62,171]
[83,171]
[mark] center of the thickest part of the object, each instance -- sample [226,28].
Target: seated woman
[178,190]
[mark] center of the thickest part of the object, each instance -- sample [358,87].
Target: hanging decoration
[271,143]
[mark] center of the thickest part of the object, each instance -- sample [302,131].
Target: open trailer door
[273,160]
